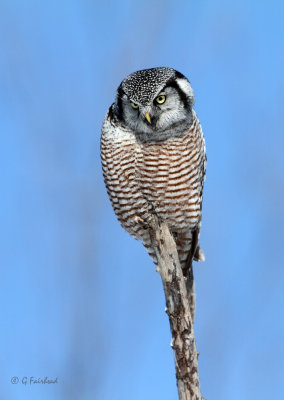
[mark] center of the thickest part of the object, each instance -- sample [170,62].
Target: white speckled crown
[141,86]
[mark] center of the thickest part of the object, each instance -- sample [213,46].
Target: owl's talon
[141,221]
[138,219]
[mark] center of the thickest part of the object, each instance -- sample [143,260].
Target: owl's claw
[140,221]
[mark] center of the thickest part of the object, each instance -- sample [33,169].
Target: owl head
[155,101]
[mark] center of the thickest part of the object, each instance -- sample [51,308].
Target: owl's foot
[145,219]
[141,222]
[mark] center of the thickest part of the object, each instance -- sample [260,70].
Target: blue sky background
[80,299]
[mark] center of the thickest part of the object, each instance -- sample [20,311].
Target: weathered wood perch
[178,310]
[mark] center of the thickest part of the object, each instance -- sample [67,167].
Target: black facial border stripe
[119,108]
[179,75]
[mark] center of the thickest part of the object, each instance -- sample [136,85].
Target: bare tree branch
[178,308]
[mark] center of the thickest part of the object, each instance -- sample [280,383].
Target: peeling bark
[178,310]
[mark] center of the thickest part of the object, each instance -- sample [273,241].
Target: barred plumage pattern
[165,176]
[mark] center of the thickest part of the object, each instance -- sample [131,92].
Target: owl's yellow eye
[133,105]
[160,99]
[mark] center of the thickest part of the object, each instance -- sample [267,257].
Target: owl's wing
[196,253]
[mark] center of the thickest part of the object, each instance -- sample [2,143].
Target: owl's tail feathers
[199,254]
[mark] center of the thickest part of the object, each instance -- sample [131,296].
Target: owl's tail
[199,254]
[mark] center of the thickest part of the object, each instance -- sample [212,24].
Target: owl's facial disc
[155,107]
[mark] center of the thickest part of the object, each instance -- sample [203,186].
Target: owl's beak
[147,116]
